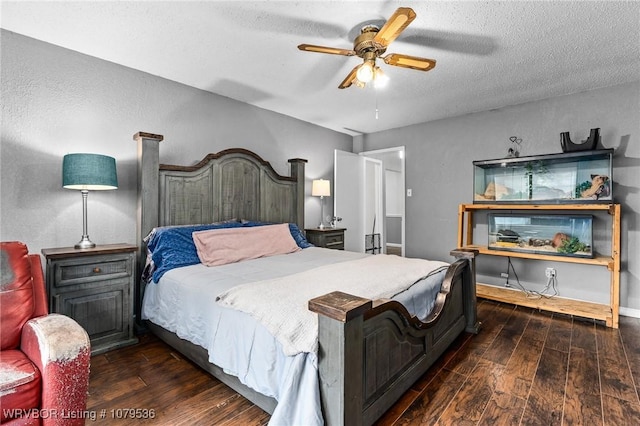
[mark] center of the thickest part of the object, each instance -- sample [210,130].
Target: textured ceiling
[489,54]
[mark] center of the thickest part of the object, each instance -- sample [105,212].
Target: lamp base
[321,226]
[85,243]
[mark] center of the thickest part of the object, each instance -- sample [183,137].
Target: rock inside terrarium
[560,243]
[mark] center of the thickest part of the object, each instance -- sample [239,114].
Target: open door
[393,186]
[358,198]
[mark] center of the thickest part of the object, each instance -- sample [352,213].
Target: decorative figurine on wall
[589,144]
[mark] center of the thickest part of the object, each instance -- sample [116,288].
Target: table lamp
[88,172]
[321,188]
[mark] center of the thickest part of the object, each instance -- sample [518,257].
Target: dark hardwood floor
[525,367]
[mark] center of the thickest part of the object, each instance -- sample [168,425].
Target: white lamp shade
[321,188]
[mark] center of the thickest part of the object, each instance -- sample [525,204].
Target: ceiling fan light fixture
[371,44]
[365,72]
[380,79]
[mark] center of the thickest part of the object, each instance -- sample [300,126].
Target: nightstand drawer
[78,271]
[336,245]
[334,241]
[328,237]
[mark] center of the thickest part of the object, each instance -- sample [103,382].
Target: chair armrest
[61,350]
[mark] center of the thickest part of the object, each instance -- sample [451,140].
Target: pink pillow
[229,245]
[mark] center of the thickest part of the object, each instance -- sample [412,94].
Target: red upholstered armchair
[44,359]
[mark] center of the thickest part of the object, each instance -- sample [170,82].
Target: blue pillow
[173,247]
[297,235]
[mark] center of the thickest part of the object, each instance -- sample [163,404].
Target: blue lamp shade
[89,172]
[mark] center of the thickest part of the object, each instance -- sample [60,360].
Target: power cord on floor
[532,294]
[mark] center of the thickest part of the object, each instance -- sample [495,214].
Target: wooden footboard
[370,352]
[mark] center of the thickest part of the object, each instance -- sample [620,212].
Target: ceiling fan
[371,44]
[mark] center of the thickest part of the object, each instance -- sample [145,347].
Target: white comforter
[285,313]
[184,302]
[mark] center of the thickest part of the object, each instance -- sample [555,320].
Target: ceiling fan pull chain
[376,95]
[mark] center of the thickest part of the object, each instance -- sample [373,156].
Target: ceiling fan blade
[413,62]
[324,49]
[400,19]
[350,78]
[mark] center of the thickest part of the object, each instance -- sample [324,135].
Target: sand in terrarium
[553,235]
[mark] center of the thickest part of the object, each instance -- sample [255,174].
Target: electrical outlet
[550,272]
[505,275]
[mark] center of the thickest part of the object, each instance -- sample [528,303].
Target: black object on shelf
[587,145]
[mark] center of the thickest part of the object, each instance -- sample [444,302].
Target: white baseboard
[394,245]
[628,312]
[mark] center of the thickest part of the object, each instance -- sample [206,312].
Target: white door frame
[374,199]
[401,151]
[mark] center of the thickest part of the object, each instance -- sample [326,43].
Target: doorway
[394,224]
[358,201]
[369,196]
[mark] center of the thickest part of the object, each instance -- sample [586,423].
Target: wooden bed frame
[370,352]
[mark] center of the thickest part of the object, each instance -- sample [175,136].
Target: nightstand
[331,238]
[95,287]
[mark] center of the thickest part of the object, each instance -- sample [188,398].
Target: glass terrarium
[559,235]
[574,177]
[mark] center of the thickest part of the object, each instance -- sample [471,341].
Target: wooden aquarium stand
[606,312]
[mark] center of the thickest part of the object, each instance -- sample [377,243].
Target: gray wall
[439,157]
[56,101]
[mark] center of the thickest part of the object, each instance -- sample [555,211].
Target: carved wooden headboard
[234,183]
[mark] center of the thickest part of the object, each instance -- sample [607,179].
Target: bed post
[469,289]
[340,321]
[297,172]
[147,211]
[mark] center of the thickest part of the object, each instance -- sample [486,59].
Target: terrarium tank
[559,235]
[575,177]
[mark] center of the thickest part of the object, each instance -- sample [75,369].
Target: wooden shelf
[598,260]
[583,206]
[556,304]
[605,312]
